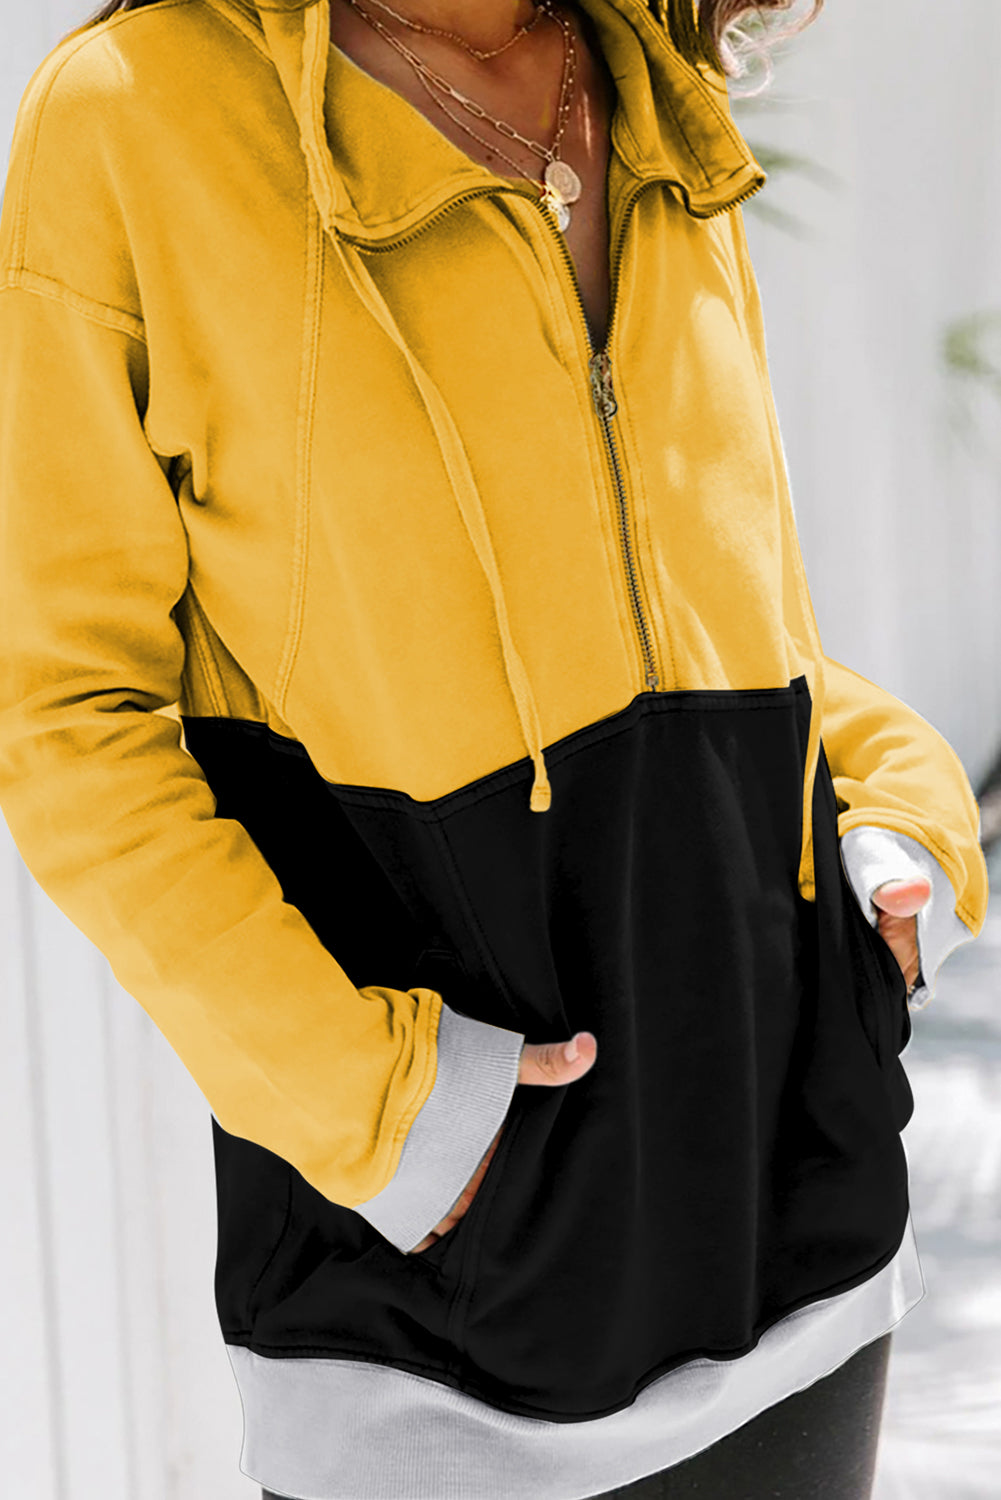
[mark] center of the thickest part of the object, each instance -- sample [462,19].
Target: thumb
[546,1062]
[902,898]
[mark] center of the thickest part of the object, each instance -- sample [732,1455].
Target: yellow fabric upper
[296,426]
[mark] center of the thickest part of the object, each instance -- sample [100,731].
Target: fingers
[902,898]
[900,936]
[541,1063]
[461,1205]
[547,1063]
[897,904]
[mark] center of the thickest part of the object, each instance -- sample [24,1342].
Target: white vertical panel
[145,1372]
[80,1164]
[114,1382]
[30,1411]
[899,513]
[203,1418]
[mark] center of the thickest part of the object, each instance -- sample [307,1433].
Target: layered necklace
[560,186]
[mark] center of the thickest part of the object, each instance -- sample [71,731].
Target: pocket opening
[483,1192]
[884,979]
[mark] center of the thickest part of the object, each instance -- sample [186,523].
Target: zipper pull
[602,394]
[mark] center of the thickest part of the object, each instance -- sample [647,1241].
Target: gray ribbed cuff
[870,855]
[476,1077]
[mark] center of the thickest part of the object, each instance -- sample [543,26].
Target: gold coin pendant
[563,180]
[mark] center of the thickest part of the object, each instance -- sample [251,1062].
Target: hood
[679,130]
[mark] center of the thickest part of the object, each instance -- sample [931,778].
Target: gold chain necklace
[560,186]
[452,36]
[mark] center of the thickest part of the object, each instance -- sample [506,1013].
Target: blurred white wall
[114,1384]
[896,476]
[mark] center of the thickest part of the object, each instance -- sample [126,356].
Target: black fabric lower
[735,1152]
[820,1443]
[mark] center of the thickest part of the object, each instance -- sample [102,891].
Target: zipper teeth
[404,239]
[370,248]
[651,674]
[617,252]
[722,208]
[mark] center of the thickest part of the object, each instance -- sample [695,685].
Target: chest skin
[524,92]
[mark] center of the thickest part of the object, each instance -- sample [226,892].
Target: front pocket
[438,967]
[450,1245]
[880,987]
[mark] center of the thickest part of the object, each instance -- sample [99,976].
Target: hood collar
[674,123]
[672,120]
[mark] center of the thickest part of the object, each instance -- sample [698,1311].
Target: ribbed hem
[334,1429]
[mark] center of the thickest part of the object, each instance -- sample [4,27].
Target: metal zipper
[603,400]
[722,208]
[605,404]
[599,375]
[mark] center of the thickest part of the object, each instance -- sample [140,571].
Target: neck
[483,23]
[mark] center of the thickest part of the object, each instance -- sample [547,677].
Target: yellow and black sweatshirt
[390,675]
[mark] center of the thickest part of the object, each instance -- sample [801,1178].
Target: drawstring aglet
[542,792]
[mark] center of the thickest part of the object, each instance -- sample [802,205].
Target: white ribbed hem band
[335,1429]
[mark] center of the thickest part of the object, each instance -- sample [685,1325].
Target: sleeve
[872,855]
[893,771]
[890,767]
[384,1100]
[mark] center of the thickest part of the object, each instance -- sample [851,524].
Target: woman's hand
[898,903]
[541,1062]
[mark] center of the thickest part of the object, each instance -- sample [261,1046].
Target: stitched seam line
[313,276]
[200,652]
[764,699]
[696,78]
[473,924]
[73,45]
[440,197]
[688,145]
[654,706]
[212,672]
[21,279]
[471,1252]
[356,1353]
[21,213]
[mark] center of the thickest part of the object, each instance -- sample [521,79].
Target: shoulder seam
[73,42]
[88,307]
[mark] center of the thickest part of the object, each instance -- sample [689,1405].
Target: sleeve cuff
[477,1071]
[871,855]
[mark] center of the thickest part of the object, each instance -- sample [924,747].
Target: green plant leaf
[971,348]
